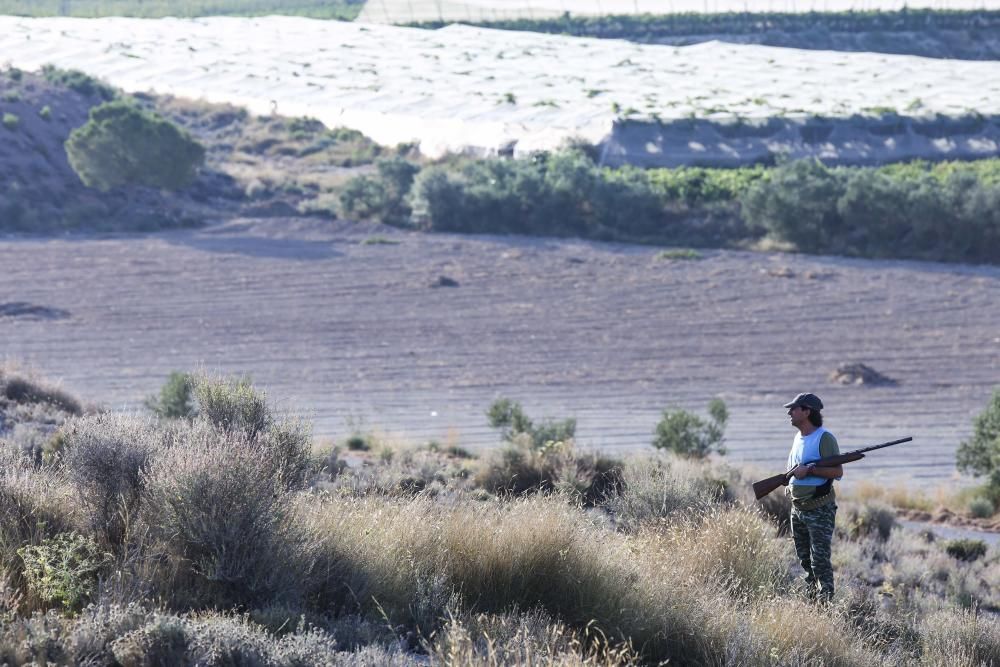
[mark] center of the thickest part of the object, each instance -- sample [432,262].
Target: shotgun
[766,486]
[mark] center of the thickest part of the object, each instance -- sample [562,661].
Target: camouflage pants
[812,531]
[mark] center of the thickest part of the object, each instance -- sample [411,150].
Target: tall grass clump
[522,639]
[960,637]
[235,407]
[420,559]
[107,458]
[542,456]
[652,489]
[26,390]
[224,521]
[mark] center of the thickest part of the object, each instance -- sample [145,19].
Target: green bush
[63,569]
[980,454]
[948,212]
[516,426]
[123,145]
[76,80]
[797,204]
[383,197]
[175,400]
[981,508]
[11,121]
[965,549]
[687,434]
[45,113]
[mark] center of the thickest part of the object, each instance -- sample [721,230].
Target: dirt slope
[348,324]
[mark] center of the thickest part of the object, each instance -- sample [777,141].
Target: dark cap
[810,401]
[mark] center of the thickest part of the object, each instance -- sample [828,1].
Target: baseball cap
[810,401]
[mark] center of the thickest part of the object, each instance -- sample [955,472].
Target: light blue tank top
[806,448]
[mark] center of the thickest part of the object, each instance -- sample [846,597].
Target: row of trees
[944,212]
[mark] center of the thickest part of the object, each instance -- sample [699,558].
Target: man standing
[811,489]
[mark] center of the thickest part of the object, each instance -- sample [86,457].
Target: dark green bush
[175,400]
[382,197]
[798,204]
[124,145]
[966,549]
[980,454]
[687,434]
[945,213]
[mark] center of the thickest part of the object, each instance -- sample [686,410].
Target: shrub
[516,426]
[45,113]
[235,407]
[960,637]
[980,454]
[966,549]
[871,519]
[981,508]
[11,121]
[661,488]
[122,145]
[384,197]
[34,505]
[175,400]
[107,457]
[63,569]
[224,518]
[28,390]
[76,80]
[687,434]
[798,203]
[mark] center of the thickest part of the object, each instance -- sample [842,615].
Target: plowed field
[350,326]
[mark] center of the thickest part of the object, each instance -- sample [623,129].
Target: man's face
[798,415]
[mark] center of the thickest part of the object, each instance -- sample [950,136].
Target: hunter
[811,490]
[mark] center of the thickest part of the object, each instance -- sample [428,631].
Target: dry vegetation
[224,537]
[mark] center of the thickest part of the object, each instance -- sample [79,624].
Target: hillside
[270,165]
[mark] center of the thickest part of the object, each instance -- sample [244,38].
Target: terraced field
[356,326]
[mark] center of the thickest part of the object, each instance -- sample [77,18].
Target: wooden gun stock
[766,486]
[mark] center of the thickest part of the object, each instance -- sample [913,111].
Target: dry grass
[210,515]
[899,496]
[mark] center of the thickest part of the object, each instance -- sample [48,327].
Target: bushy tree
[123,145]
[687,434]
[980,454]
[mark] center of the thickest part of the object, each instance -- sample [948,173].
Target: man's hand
[803,471]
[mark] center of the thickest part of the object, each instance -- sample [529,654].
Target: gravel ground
[347,324]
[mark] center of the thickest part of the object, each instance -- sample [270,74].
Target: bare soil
[414,335]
